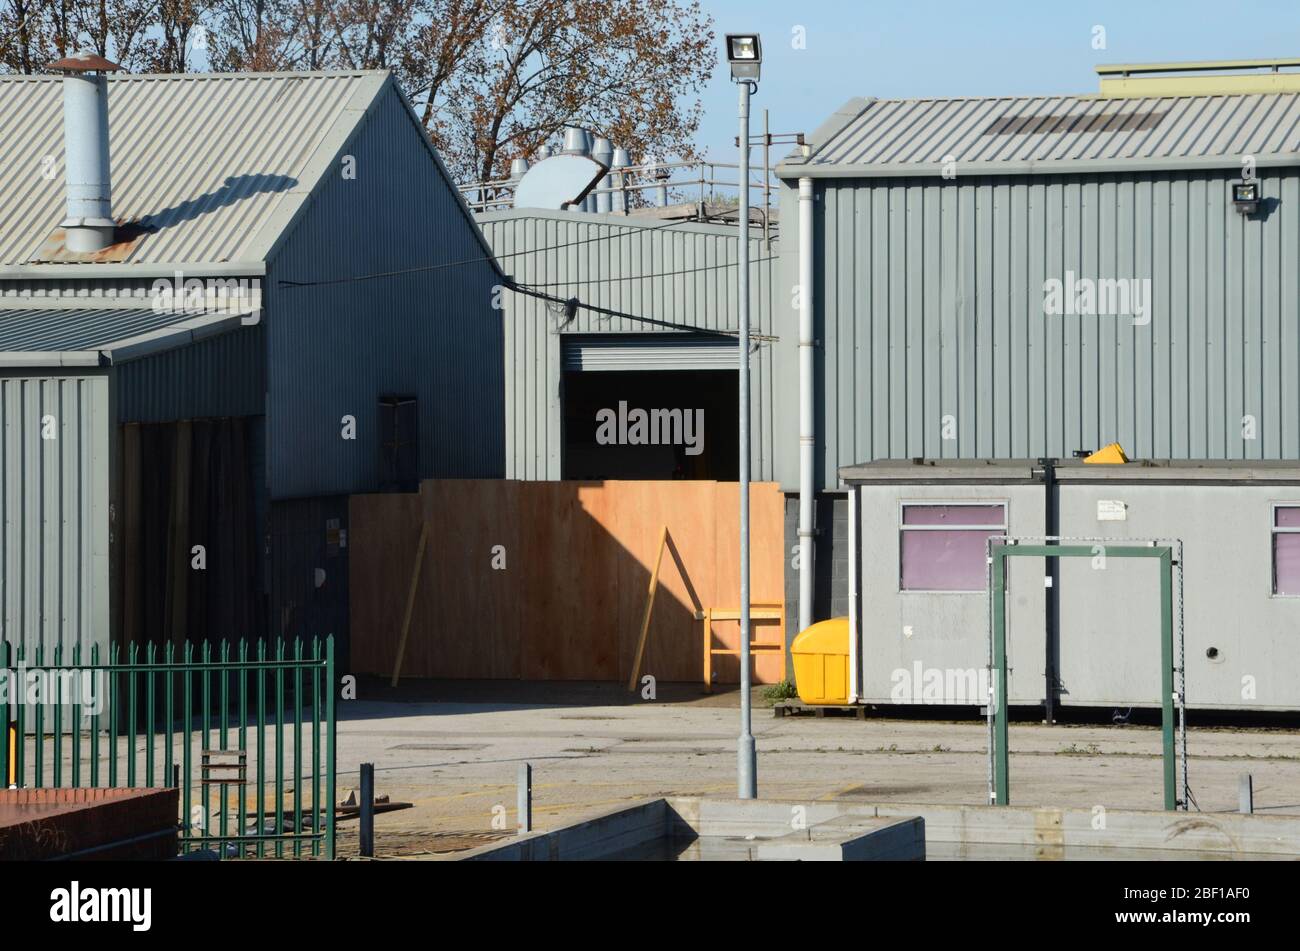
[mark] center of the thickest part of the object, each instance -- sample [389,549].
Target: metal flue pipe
[621,161]
[603,152]
[89,224]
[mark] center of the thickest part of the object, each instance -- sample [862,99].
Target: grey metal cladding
[54,485]
[223,375]
[429,332]
[682,273]
[931,313]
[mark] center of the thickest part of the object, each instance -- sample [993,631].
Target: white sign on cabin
[1111,510]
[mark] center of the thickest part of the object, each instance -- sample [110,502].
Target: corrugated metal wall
[334,349]
[54,578]
[930,304]
[223,375]
[683,273]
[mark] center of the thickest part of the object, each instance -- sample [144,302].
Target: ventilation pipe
[618,200]
[543,153]
[517,169]
[602,150]
[661,193]
[807,435]
[89,224]
[576,143]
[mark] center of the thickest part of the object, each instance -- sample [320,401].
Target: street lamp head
[745,54]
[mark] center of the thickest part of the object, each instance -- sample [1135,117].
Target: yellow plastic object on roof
[1108,455]
[821,662]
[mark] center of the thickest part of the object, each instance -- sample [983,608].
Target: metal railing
[162,717]
[695,180]
[698,182]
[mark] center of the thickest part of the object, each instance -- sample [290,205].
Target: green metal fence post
[78,682]
[261,749]
[1167,676]
[297,746]
[38,757]
[331,791]
[317,815]
[106,697]
[186,750]
[133,663]
[1001,694]
[205,698]
[279,748]
[224,790]
[58,714]
[243,740]
[20,734]
[150,723]
[169,708]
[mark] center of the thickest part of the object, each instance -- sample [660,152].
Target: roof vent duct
[602,150]
[89,224]
[618,200]
[575,141]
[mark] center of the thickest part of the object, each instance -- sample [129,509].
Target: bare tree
[491,79]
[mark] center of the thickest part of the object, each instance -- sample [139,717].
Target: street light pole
[747,774]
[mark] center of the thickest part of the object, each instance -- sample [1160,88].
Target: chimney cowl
[85,62]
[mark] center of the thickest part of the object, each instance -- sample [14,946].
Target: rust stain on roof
[126,239]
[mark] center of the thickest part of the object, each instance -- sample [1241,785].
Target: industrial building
[953,279]
[1029,278]
[200,360]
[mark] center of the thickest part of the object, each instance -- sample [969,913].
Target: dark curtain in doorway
[189,485]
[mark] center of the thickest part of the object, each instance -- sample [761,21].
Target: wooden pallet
[790,709]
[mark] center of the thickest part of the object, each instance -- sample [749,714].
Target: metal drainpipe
[1051,576]
[807,435]
[855,612]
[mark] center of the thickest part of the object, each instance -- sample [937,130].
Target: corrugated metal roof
[68,330]
[1051,134]
[217,164]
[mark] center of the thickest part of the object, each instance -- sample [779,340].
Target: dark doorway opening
[674,424]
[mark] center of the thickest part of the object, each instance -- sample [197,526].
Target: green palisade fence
[152,713]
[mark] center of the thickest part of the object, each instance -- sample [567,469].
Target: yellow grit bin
[821,662]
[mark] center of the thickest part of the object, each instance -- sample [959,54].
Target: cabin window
[1286,550]
[943,546]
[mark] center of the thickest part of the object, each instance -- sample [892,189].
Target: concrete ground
[453,751]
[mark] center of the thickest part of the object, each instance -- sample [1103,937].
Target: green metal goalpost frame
[999,552]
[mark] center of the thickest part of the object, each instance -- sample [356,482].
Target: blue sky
[946,47]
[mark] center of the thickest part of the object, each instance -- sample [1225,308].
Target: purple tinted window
[940,558]
[1286,563]
[1286,516]
[952,515]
